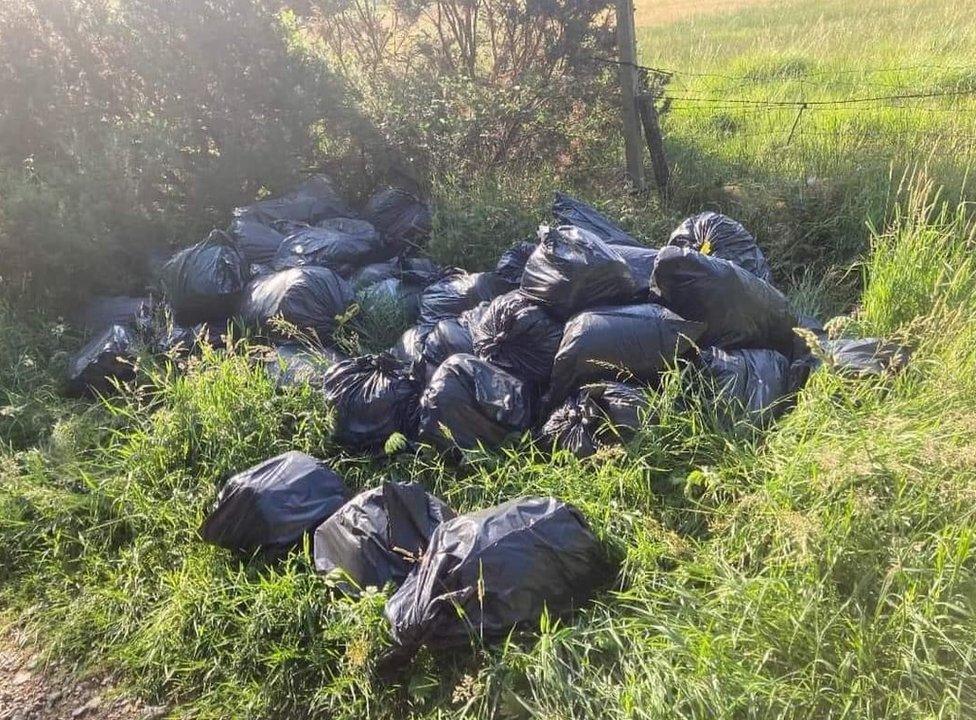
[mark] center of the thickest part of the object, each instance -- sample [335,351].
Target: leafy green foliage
[125,127]
[462,87]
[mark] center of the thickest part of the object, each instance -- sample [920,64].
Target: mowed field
[822,568]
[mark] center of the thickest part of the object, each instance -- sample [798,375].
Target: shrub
[125,126]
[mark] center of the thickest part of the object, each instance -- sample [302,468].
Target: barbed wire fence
[672,91]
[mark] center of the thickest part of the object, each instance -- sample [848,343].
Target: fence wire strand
[896,102]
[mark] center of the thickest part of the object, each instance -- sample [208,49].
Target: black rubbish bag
[379,535]
[475,402]
[420,271]
[255,270]
[323,247]
[450,337]
[755,384]
[294,364]
[739,309]
[182,341]
[596,416]
[720,236]
[111,354]
[374,396]
[287,227]
[410,347]
[273,504]
[570,211]
[572,269]
[361,230]
[314,200]
[511,264]
[517,335]
[258,242]
[640,260]
[866,356]
[374,273]
[495,570]
[459,291]
[619,343]
[402,218]
[204,281]
[104,311]
[309,298]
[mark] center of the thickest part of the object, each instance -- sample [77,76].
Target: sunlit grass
[824,568]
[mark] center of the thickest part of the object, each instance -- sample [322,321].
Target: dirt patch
[652,12]
[30,690]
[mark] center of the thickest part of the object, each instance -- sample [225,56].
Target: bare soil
[32,690]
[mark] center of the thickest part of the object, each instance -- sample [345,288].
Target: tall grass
[823,569]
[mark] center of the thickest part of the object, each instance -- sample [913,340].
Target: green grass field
[811,194]
[823,569]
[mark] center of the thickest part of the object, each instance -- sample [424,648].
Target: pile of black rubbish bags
[562,339]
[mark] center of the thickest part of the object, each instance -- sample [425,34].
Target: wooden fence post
[627,50]
[655,144]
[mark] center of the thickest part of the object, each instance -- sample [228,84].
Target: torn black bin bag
[752,383]
[110,354]
[619,343]
[720,236]
[257,241]
[312,201]
[511,264]
[475,402]
[402,218]
[489,572]
[572,269]
[570,211]
[373,396]
[517,335]
[379,535]
[739,309]
[865,356]
[273,504]
[459,291]
[323,247]
[204,281]
[294,364]
[595,416]
[309,298]
[640,260]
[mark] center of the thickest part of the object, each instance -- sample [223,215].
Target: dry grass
[655,12]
